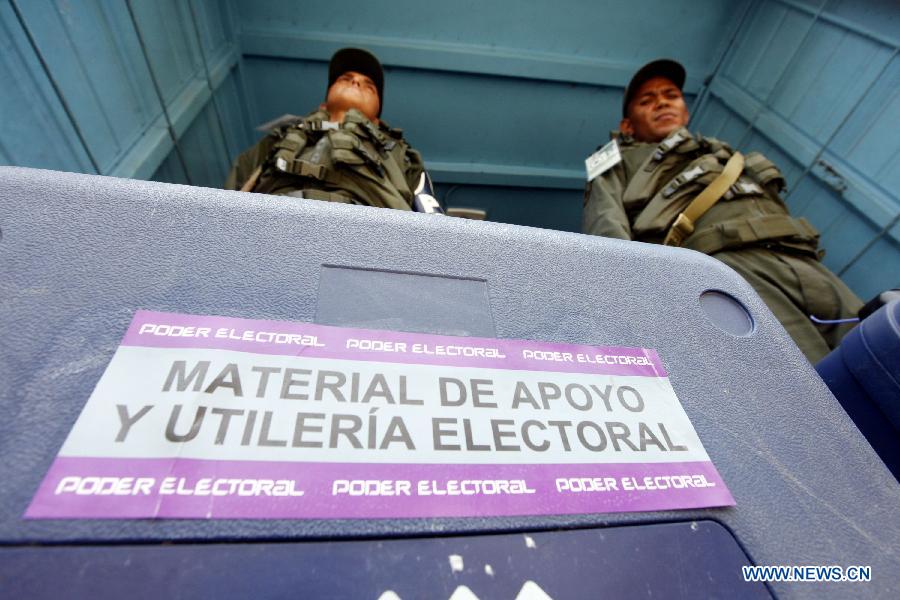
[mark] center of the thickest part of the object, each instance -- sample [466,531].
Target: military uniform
[749,228]
[354,162]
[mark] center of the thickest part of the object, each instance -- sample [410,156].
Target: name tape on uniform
[218,417]
[602,160]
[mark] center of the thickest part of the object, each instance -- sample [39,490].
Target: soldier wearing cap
[342,152]
[656,182]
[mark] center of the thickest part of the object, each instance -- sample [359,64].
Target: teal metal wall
[815,85]
[147,90]
[504,99]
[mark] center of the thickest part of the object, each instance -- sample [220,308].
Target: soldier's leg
[832,297]
[792,290]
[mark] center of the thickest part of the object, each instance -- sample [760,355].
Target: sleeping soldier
[342,152]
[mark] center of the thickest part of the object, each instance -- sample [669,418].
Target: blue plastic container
[864,374]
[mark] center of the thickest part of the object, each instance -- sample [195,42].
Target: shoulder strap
[251,181]
[684,223]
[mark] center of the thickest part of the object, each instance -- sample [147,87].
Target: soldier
[342,152]
[656,182]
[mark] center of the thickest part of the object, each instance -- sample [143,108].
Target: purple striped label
[168,330]
[100,488]
[231,418]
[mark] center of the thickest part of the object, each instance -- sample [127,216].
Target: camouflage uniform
[354,162]
[749,229]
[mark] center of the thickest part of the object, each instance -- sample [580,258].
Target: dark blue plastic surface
[79,254]
[407,301]
[864,375]
[680,560]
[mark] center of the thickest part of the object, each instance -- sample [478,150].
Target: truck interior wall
[814,86]
[503,100]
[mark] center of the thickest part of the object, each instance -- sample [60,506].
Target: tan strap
[251,182]
[684,224]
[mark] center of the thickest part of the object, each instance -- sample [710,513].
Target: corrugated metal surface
[31,105]
[816,87]
[101,74]
[120,88]
[503,99]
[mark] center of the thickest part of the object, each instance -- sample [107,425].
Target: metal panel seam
[59,95]
[156,88]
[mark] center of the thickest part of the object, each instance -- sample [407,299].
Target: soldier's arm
[415,166]
[603,213]
[246,163]
[231,182]
[418,180]
[238,173]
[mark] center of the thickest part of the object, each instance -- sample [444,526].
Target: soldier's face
[656,110]
[353,90]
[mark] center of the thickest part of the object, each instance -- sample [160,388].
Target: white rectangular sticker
[602,160]
[217,417]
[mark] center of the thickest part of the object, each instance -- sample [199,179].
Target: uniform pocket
[659,214]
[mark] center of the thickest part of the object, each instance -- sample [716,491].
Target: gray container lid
[79,254]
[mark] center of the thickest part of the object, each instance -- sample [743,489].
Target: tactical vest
[353,162]
[668,176]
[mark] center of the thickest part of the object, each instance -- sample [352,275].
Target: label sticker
[602,160]
[219,417]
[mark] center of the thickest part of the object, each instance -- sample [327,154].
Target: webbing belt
[684,224]
[798,232]
[300,167]
[296,167]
